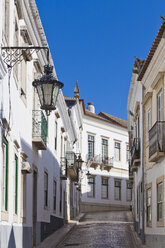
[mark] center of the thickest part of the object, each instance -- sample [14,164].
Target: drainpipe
[142,159]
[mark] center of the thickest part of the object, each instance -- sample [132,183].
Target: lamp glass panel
[47,91]
[40,94]
[55,94]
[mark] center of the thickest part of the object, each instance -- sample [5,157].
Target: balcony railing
[157,138]
[99,160]
[135,150]
[107,161]
[39,132]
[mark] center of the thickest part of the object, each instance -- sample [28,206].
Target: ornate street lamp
[79,162]
[48,89]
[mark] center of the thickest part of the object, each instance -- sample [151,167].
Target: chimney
[90,107]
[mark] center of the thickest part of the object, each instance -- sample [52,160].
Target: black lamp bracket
[14,55]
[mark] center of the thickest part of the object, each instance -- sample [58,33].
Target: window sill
[4,216]
[149,224]
[160,223]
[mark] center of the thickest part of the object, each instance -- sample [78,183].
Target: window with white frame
[91,187]
[127,152]
[54,195]
[55,136]
[5,175]
[45,189]
[90,146]
[129,191]
[104,188]
[117,151]
[148,205]
[6,19]
[117,190]
[104,149]
[148,122]
[159,106]
[160,201]
[23,77]
[16,184]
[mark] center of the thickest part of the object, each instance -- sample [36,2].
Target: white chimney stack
[90,107]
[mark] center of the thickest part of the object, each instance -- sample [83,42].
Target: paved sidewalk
[57,237]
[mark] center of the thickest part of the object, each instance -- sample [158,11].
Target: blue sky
[95,41]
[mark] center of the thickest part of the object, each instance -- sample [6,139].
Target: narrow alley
[101,230]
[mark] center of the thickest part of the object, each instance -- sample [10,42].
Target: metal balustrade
[135,150]
[157,138]
[39,131]
[98,159]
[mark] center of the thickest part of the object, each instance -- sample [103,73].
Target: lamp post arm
[13,55]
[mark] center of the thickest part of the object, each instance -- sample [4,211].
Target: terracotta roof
[152,51]
[105,117]
[115,120]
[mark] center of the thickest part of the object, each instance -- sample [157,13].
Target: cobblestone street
[101,230]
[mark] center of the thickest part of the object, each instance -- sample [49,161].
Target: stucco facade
[104,168]
[37,196]
[151,78]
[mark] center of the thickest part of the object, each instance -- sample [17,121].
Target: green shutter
[16,182]
[6,179]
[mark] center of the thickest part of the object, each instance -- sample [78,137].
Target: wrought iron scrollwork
[14,55]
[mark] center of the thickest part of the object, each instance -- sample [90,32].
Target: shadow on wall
[12,243]
[98,195]
[39,230]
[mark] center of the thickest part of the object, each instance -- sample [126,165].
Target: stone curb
[58,236]
[136,239]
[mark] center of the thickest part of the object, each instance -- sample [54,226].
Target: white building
[35,199]
[105,152]
[152,125]
[135,127]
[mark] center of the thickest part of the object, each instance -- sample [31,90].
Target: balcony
[135,154]
[39,131]
[157,141]
[95,161]
[107,163]
[72,165]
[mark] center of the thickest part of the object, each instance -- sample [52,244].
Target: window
[148,122]
[137,127]
[55,139]
[6,19]
[160,201]
[148,205]
[5,176]
[54,195]
[117,151]
[90,146]
[117,190]
[104,188]
[159,106]
[60,197]
[104,149]
[91,187]
[16,183]
[127,152]
[129,191]
[45,189]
